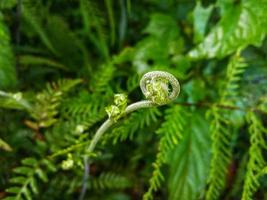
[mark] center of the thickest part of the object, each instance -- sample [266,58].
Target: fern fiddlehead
[159,88]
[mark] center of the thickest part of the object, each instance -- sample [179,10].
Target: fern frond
[7,61]
[100,80]
[171,132]
[93,19]
[109,5]
[256,161]
[24,184]
[48,101]
[136,121]
[31,11]
[84,111]
[36,60]
[70,48]
[220,129]
[109,180]
[104,181]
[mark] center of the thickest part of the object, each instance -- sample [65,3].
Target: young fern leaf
[24,184]
[171,133]
[156,87]
[256,161]
[220,129]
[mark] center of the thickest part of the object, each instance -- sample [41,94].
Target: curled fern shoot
[159,88]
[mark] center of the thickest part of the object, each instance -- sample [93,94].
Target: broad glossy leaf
[241,25]
[201,16]
[189,163]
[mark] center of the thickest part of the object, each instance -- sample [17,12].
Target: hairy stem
[103,128]
[155,86]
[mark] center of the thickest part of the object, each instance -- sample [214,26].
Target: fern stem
[155,86]
[103,128]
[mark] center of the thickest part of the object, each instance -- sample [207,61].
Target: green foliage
[247,20]
[188,162]
[7,61]
[130,126]
[14,101]
[109,181]
[256,163]
[25,179]
[33,13]
[201,16]
[171,132]
[48,101]
[61,62]
[221,128]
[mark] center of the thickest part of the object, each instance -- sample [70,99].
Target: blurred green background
[61,62]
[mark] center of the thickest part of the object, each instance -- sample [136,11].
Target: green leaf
[5,146]
[7,62]
[49,165]
[23,170]
[10,198]
[201,17]
[189,162]
[161,25]
[13,190]
[242,25]
[32,12]
[29,161]
[35,60]
[13,101]
[42,175]
[19,180]
[33,186]
[26,193]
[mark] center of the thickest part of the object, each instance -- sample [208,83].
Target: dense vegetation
[61,62]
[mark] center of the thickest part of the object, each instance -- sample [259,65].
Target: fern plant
[156,87]
[25,179]
[221,128]
[62,61]
[256,163]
